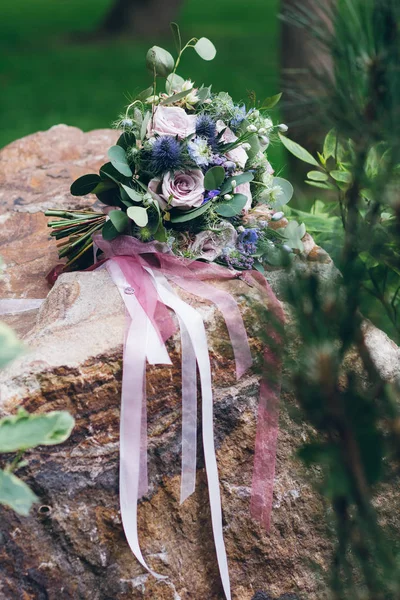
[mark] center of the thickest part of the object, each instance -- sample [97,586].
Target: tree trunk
[139,17]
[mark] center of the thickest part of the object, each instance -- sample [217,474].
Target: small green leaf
[298,151]
[145,94]
[133,194]
[119,220]
[292,234]
[271,101]
[84,185]
[109,232]
[127,140]
[174,82]
[342,176]
[10,346]
[238,179]
[177,36]
[214,177]
[330,144]
[119,161]
[180,216]
[159,61]
[205,49]
[317,176]
[286,194]
[143,129]
[203,94]
[232,207]
[104,186]
[108,171]
[139,215]
[176,97]
[321,185]
[15,494]
[23,430]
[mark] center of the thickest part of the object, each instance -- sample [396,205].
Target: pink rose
[237,155]
[244,188]
[171,120]
[183,190]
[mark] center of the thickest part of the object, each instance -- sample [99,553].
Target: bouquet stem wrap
[143,273]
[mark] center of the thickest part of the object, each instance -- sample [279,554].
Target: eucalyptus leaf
[139,215]
[145,94]
[232,207]
[286,193]
[292,234]
[214,178]
[23,430]
[179,216]
[298,151]
[176,97]
[109,232]
[133,194]
[10,346]
[119,219]
[84,185]
[159,61]
[204,94]
[271,101]
[104,186]
[15,494]
[119,161]
[174,82]
[108,171]
[143,129]
[205,49]
[317,176]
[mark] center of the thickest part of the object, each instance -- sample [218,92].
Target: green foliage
[232,207]
[15,494]
[214,178]
[10,346]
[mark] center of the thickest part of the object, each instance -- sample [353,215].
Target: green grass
[48,77]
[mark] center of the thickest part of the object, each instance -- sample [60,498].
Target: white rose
[171,120]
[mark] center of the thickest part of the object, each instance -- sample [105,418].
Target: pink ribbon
[142,271]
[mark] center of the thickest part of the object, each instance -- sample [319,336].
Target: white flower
[282,127]
[251,128]
[200,151]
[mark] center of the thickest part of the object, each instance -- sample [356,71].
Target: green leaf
[271,101]
[133,194]
[205,49]
[330,144]
[127,140]
[238,179]
[174,82]
[176,34]
[104,186]
[285,196]
[119,220]
[145,94]
[341,176]
[317,176]
[139,215]
[10,346]
[84,185]
[143,129]
[23,430]
[15,494]
[119,161]
[159,61]
[292,234]
[176,97]
[321,184]
[232,207]
[161,234]
[214,177]
[179,216]
[298,151]
[109,232]
[108,171]
[203,94]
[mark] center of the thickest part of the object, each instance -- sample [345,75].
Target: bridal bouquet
[190,169]
[187,185]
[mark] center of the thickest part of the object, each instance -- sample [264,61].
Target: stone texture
[72,546]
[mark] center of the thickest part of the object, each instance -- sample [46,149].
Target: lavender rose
[171,120]
[183,190]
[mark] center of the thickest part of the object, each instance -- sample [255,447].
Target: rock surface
[72,546]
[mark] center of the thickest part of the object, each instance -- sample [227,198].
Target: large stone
[72,545]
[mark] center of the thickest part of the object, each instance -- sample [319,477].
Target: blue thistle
[206,128]
[166,155]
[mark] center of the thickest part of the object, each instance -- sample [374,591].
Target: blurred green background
[54,70]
